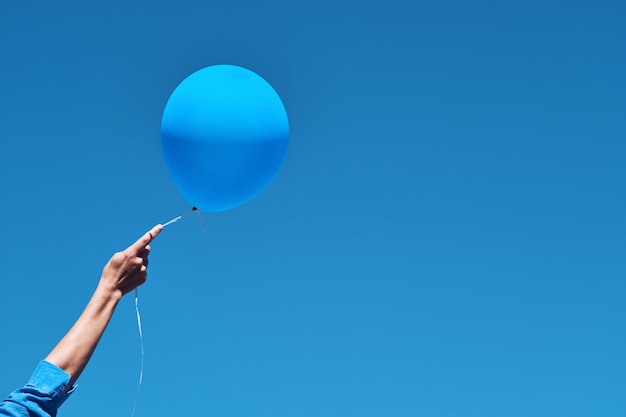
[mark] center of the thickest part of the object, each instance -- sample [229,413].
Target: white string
[202,221]
[142,353]
[174,220]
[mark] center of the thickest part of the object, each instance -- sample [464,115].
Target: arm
[52,381]
[123,273]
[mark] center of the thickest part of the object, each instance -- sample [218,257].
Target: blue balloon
[224,136]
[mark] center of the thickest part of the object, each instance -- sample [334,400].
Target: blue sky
[445,238]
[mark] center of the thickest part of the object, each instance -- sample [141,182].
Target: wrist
[107,293]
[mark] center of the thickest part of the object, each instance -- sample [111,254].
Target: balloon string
[201,220]
[175,219]
[142,352]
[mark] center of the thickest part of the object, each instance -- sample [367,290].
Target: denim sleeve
[41,396]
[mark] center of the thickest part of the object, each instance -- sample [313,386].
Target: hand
[126,270]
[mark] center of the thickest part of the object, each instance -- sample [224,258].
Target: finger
[144,252]
[143,241]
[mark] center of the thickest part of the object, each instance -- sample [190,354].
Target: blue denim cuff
[51,379]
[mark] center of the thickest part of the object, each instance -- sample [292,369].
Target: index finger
[145,240]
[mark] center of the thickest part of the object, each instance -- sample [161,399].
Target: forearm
[124,272]
[73,352]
